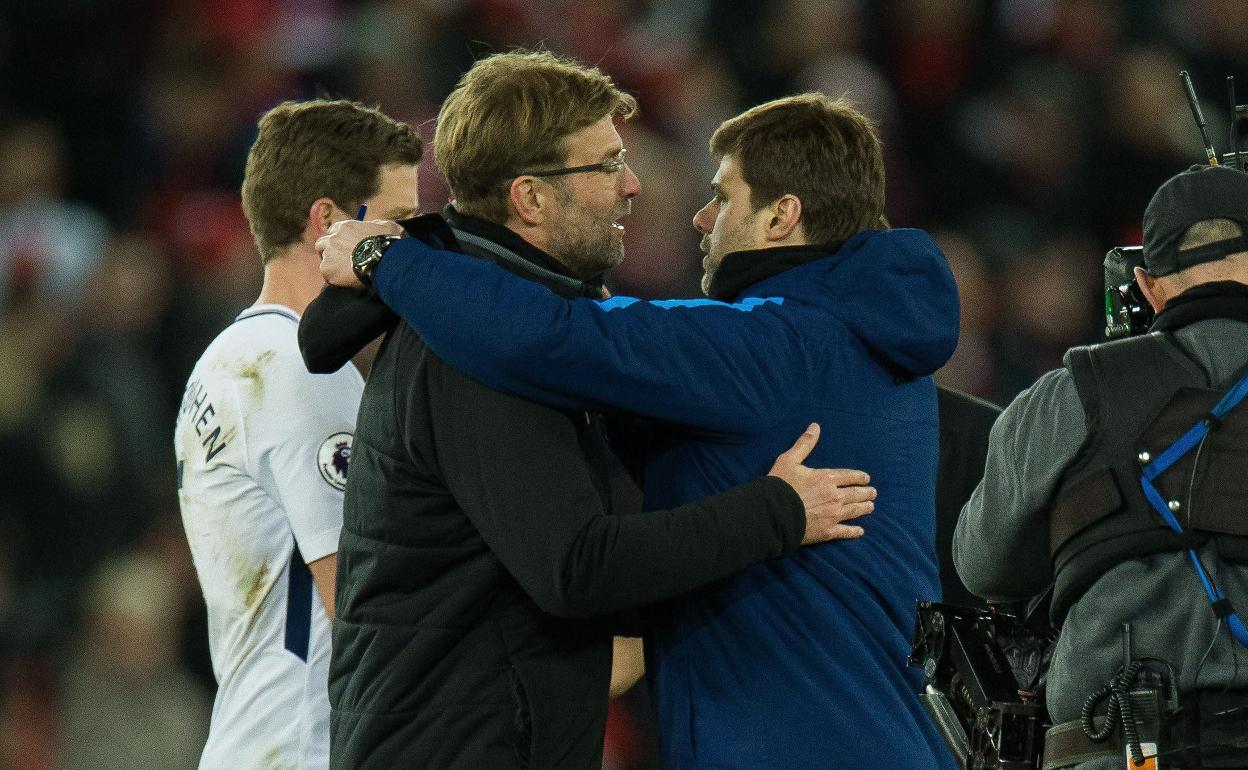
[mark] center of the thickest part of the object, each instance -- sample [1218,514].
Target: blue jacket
[797,662]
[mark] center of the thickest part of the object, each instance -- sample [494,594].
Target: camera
[983,682]
[1127,313]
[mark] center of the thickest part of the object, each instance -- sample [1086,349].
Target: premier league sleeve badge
[333,459]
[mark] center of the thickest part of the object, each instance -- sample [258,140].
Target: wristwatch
[367,253]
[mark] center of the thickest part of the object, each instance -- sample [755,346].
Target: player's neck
[291,279]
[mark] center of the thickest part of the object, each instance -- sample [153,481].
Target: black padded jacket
[484,551]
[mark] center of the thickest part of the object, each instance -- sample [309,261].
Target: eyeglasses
[606,167]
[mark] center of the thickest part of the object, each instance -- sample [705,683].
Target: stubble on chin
[602,257]
[589,260]
[708,269]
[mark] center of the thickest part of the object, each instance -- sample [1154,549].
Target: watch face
[367,254]
[364,258]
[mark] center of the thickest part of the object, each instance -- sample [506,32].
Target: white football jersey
[262,449]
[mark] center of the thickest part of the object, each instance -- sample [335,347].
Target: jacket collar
[533,263]
[1219,299]
[742,269]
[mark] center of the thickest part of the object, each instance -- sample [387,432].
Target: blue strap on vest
[1222,606]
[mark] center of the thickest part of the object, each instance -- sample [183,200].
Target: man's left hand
[336,247]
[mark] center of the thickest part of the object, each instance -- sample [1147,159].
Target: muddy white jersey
[262,453]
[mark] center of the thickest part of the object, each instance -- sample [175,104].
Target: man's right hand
[830,495]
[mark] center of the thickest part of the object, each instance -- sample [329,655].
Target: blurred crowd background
[1026,135]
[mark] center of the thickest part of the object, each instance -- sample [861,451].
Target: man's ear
[320,217]
[529,199]
[785,217]
[1152,289]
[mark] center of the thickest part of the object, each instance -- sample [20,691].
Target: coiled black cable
[1118,692]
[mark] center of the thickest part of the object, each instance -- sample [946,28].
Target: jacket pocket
[522,721]
[561,708]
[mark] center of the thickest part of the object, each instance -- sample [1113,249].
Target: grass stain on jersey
[255,592]
[253,372]
[272,760]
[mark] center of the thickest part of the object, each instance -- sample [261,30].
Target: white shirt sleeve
[299,439]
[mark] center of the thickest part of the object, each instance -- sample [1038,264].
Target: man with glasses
[815,310]
[485,537]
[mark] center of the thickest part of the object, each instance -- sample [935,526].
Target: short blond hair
[1208,231]
[1203,233]
[513,112]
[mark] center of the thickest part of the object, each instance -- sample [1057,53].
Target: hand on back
[831,496]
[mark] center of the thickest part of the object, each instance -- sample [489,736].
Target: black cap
[1200,193]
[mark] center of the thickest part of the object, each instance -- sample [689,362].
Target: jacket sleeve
[735,368]
[338,324]
[519,472]
[1001,543]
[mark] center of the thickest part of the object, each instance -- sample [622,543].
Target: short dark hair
[317,149]
[821,150]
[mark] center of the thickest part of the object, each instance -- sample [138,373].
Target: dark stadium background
[1027,135]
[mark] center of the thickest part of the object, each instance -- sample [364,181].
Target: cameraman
[1061,501]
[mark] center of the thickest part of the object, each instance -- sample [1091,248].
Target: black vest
[1140,395]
